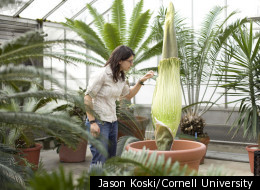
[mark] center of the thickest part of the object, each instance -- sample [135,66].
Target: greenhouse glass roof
[59,10]
[52,10]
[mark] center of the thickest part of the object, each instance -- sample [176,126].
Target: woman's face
[126,64]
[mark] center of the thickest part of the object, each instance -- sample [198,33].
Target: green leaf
[111,37]
[138,30]
[99,20]
[119,18]
[135,14]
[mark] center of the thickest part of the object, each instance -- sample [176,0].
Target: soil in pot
[68,154]
[183,151]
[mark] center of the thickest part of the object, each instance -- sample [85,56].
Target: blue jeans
[108,137]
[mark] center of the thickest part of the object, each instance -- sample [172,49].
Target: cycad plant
[104,37]
[199,52]
[243,79]
[14,75]
[15,114]
[130,164]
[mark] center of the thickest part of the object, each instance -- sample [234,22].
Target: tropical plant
[115,33]
[102,38]
[10,172]
[243,77]
[129,164]
[166,104]
[24,135]
[199,54]
[14,115]
[16,52]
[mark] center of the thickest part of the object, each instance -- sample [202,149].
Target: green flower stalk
[167,98]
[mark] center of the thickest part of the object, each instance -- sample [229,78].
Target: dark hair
[120,53]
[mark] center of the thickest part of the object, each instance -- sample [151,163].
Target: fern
[119,18]
[116,32]
[139,29]
[141,164]
[111,36]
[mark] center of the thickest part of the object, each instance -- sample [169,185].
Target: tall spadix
[166,104]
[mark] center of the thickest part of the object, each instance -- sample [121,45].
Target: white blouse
[104,93]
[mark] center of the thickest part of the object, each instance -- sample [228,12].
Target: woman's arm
[137,86]
[94,128]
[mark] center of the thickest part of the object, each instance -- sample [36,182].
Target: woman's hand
[148,75]
[94,129]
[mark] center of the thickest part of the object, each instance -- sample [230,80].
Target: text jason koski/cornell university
[156,183]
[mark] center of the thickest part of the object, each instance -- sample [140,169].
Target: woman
[103,90]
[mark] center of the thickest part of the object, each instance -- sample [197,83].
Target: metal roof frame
[29,2]
[82,10]
[23,8]
[54,9]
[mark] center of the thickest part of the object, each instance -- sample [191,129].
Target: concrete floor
[227,166]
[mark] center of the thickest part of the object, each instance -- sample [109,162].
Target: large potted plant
[198,60]
[20,115]
[167,106]
[242,81]
[76,153]
[23,136]
[199,52]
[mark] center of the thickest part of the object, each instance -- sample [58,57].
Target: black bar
[176,182]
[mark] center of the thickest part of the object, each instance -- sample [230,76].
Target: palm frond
[123,142]
[46,95]
[9,177]
[21,73]
[135,14]
[91,59]
[10,172]
[119,18]
[50,124]
[138,30]
[141,164]
[99,20]
[111,36]
[242,76]
[58,180]
[92,40]
[155,50]
[30,38]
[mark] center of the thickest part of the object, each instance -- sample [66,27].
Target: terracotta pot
[183,151]
[32,155]
[251,152]
[204,140]
[68,154]
[138,133]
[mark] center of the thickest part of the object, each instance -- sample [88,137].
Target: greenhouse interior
[158,74]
